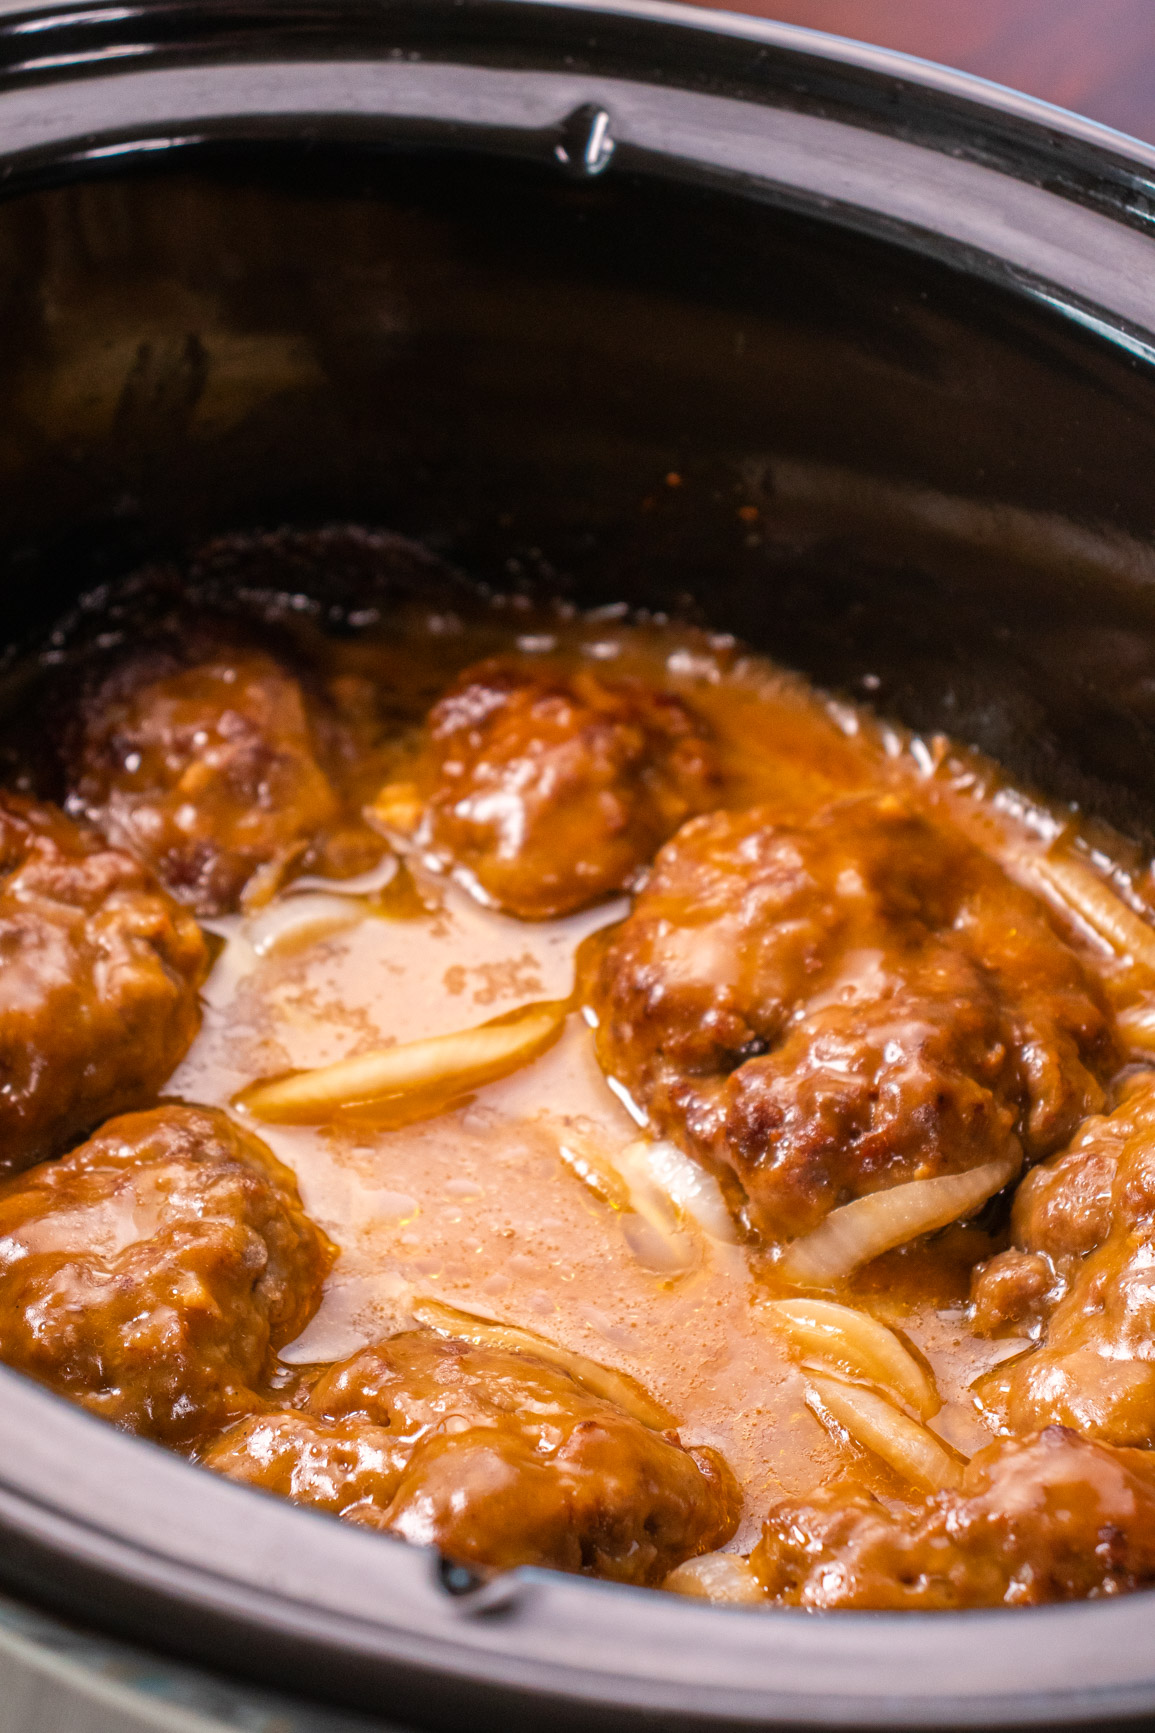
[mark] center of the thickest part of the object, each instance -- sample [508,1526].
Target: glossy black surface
[726,55]
[508,364]
[916,467]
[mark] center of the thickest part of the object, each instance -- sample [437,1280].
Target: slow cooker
[485,272]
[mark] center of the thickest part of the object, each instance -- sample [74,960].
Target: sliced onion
[596,1172]
[651,1222]
[312,912]
[612,1386]
[428,1073]
[294,922]
[1137,1024]
[658,1245]
[905,1445]
[692,1188]
[717,1576]
[1078,889]
[657,1188]
[858,1344]
[365,884]
[264,884]
[862,1230]
[653,1205]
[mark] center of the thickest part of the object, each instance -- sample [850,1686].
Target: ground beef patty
[494,1457]
[213,774]
[835,1007]
[99,976]
[152,1274]
[1049,1518]
[550,790]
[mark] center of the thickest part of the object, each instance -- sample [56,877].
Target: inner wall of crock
[894,476]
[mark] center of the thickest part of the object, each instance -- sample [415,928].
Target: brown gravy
[478,1207]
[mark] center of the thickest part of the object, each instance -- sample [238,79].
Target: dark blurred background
[1096,56]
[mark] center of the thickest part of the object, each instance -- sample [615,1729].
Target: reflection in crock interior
[556,1087]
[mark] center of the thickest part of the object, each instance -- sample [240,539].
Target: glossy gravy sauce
[479,1207]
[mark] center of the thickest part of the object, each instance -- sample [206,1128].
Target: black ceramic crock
[852,355]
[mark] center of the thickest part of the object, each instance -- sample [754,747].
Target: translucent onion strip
[856,1343]
[862,1230]
[595,1170]
[602,1381]
[691,1187]
[658,1190]
[428,1072]
[650,1221]
[312,911]
[295,922]
[717,1576]
[1078,888]
[659,1245]
[366,884]
[905,1445]
[665,1187]
[1137,1024]
[269,877]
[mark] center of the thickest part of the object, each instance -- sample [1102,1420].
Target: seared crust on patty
[836,1007]
[98,984]
[152,1274]
[550,791]
[1049,1518]
[213,773]
[494,1457]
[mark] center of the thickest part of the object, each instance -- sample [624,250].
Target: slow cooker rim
[293,1598]
[973,198]
[62,1545]
[994,122]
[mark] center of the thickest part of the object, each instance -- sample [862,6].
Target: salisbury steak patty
[1050,1518]
[99,974]
[839,1006]
[212,773]
[552,790]
[152,1273]
[494,1457]
[1084,1229]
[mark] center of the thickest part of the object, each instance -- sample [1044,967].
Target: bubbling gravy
[520,1178]
[485,1206]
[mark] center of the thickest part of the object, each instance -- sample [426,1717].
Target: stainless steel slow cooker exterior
[1027,228]
[58,1678]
